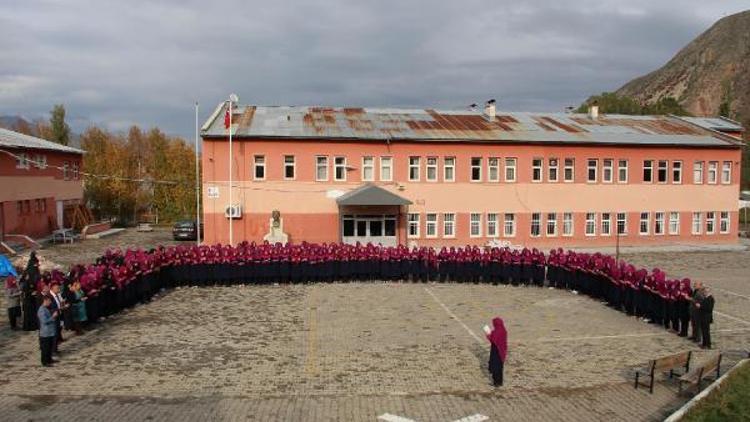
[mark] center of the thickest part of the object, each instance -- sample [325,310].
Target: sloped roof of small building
[458,125]
[11,139]
[370,194]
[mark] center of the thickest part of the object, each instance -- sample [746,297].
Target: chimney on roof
[594,110]
[489,110]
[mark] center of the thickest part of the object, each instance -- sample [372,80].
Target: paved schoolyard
[358,351]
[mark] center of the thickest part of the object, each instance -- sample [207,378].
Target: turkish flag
[226,119]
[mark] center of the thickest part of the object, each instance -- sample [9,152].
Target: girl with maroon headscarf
[498,338]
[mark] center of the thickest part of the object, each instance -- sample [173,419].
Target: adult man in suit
[47,330]
[57,305]
[705,314]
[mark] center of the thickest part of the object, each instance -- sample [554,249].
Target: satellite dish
[233,98]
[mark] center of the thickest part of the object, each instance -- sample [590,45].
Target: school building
[442,178]
[39,183]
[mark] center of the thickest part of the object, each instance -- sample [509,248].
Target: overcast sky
[118,63]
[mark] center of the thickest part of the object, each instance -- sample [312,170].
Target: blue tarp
[6,268]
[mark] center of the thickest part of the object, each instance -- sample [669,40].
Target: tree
[60,132]
[611,103]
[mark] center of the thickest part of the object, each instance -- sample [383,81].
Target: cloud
[146,63]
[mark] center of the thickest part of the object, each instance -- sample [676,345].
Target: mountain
[708,77]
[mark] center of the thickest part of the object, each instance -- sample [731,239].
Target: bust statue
[276,218]
[276,229]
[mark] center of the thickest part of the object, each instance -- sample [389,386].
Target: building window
[386,169]
[492,225]
[712,169]
[659,223]
[661,173]
[590,224]
[414,169]
[698,172]
[606,224]
[697,223]
[553,169]
[289,167]
[677,172]
[475,228]
[674,223]
[536,170]
[413,225]
[22,161]
[339,169]
[645,223]
[76,171]
[607,170]
[622,171]
[622,223]
[40,161]
[710,222]
[321,168]
[551,224]
[493,169]
[449,225]
[476,169]
[510,225]
[449,169]
[568,224]
[510,169]
[593,165]
[432,169]
[536,224]
[726,172]
[648,171]
[724,222]
[570,170]
[66,170]
[368,169]
[431,225]
[259,167]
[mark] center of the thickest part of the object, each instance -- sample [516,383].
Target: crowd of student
[121,279]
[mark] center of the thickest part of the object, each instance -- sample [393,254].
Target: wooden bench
[696,376]
[664,364]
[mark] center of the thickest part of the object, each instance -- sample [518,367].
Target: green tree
[60,132]
[611,103]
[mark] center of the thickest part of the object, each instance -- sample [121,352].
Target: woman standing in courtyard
[498,338]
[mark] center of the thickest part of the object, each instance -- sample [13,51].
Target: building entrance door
[375,229]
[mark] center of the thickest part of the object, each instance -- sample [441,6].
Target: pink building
[436,178]
[34,192]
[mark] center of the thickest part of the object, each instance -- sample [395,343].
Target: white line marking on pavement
[473,418]
[387,417]
[452,315]
[731,293]
[732,317]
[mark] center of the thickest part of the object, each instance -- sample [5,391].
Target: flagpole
[231,217]
[197,183]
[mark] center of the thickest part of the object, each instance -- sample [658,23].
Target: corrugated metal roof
[11,139]
[715,123]
[458,125]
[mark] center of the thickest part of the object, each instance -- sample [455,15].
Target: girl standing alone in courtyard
[498,338]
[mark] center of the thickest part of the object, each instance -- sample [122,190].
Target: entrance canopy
[369,195]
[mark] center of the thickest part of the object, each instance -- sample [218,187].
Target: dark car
[184,230]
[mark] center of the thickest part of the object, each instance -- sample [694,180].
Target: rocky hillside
[709,77]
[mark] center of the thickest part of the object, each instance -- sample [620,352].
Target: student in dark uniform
[28,285]
[498,338]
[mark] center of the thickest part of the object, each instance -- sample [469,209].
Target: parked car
[184,230]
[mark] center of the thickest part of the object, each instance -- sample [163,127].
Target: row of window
[551,224]
[24,207]
[24,161]
[606,170]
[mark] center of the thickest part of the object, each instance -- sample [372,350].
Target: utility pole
[197,183]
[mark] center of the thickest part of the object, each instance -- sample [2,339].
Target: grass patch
[731,402]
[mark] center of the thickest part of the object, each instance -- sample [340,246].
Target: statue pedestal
[276,234]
